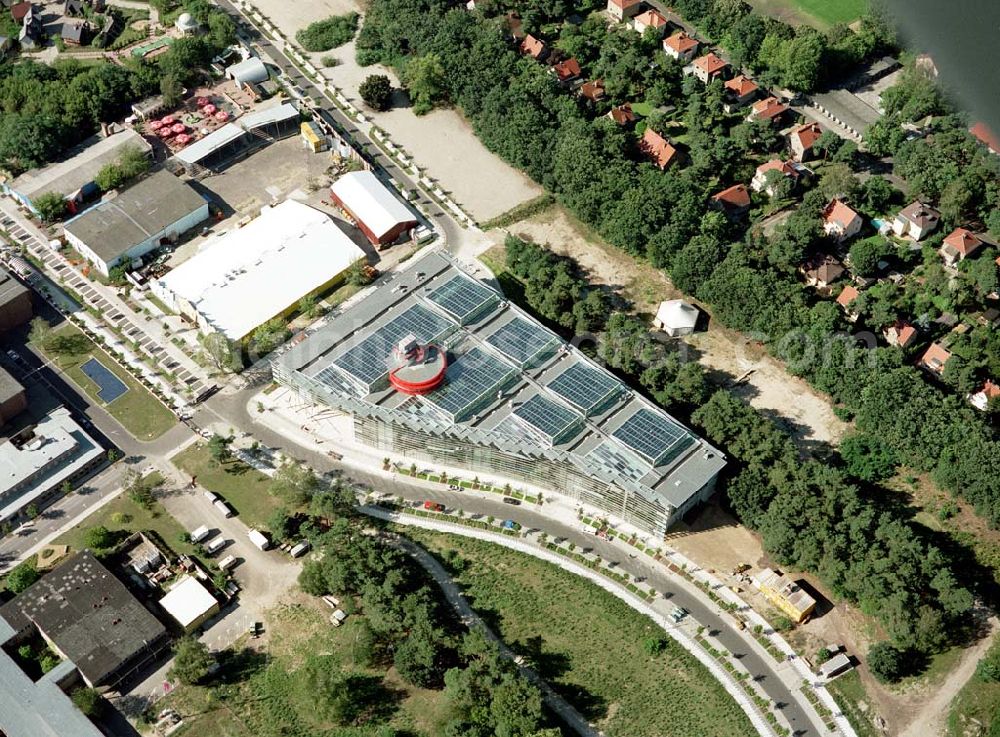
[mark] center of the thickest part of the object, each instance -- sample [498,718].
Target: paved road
[470,618]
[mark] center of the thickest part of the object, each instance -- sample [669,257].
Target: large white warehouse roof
[243,278]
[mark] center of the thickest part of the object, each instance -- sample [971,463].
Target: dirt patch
[730,356]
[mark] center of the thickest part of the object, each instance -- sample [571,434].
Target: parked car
[454,487]
[301,549]
[214,546]
[678,613]
[509,524]
[200,534]
[512,500]
[433,506]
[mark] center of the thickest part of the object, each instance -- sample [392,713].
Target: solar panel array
[653,436]
[366,361]
[584,387]
[617,461]
[522,341]
[548,417]
[471,380]
[462,298]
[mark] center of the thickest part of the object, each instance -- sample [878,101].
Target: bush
[22,576]
[376,91]
[51,206]
[782,624]
[88,701]
[886,662]
[324,35]
[988,669]
[192,661]
[99,538]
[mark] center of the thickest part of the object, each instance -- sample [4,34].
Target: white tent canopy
[676,317]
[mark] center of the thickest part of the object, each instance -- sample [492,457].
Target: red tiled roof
[985,135]
[657,148]
[903,332]
[847,296]
[807,134]
[622,114]
[651,19]
[736,196]
[19,10]
[593,90]
[769,108]
[839,214]
[778,165]
[990,390]
[963,241]
[741,86]
[935,357]
[711,63]
[567,69]
[532,46]
[680,42]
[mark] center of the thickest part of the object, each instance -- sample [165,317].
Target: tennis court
[110,386]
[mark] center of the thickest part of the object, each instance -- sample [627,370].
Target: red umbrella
[165,132]
[203,101]
[222,115]
[183,139]
[169,120]
[209,109]
[178,128]
[155,125]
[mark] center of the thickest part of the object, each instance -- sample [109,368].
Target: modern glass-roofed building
[516,401]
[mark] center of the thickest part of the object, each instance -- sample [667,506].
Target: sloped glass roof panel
[470,382]
[463,298]
[548,417]
[523,342]
[618,461]
[584,387]
[654,436]
[366,361]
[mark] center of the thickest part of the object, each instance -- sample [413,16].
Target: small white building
[186,24]
[127,225]
[189,603]
[249,71]
[676,317]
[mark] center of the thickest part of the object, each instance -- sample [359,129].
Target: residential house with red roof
[650,19]
[622,9]
[959,245]
[680,46]
[708,67]
[916,221]
[900,334]
[567,70]
[793,170]
[801,140]
[535,48]
[846,299]
[622,115]
[770,109]
[657,149]
[733,202]
[988,392]
[840,221]
[739,91]
[593,90]
[821,271]
[934,359]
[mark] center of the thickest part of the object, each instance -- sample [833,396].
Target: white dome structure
[676,317]
[186,24]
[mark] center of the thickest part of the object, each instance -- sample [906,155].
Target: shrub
[886,662]
[782,624]
[376,91]
[327,34]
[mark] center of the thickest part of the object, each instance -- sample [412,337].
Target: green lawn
[244,488]
[295,630]
[139,412]
[136,519]
[591,646]
[833,11]
[979,700]
[850,695]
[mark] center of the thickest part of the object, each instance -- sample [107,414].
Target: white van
[259,539]
[226,563]
[200,534]
[211,496]
[216,545]
[223,507]
[299,550]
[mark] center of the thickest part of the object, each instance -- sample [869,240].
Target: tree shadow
[547,663]
[236,666]
[589,704]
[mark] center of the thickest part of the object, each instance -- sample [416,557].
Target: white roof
[249,70]
[187,601]
[371,202]
[676,313]
[242,278]
[214,140]
[273,114]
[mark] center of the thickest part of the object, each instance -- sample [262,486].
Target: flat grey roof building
[90,617]
[138,213]
[10,288]
[9,386]
[517,400]
[37,708]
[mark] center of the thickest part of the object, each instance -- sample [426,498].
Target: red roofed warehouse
[377,212]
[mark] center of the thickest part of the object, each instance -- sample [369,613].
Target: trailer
[228,562]
[211,496]
[216,545]
[301,549]
[200,534]
[226,510]
[259,539]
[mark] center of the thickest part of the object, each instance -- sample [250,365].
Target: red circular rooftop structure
[416,368]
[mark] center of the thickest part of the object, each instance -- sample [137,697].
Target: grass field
[296,630]
[139,412]
[243,487]
[591,646]
[850,695]
[978,700]
[820,13]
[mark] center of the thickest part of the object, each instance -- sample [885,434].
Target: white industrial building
[242,278]
[137,220]
[247,71]
[189,603]
[376,210]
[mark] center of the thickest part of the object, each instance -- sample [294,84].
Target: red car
[433,506]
